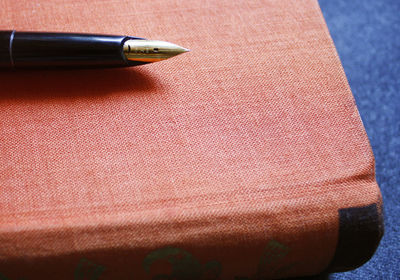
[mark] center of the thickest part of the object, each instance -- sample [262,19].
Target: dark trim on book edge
[360,230]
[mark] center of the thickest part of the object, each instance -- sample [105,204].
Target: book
[243,159]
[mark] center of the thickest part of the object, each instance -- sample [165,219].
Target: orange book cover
[243,159]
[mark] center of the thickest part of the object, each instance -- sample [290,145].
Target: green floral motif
[184,265]
[269,261]
[3,277]
[87,270]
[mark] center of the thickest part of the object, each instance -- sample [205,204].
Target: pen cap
[61,50]
[45,49]
[5,51]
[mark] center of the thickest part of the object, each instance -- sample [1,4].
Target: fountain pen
[76,50]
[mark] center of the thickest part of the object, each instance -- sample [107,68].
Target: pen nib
[151,50]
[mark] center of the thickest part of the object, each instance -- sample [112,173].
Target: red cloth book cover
[243,159]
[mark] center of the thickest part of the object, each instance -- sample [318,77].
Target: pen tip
[151,50]
[179,49]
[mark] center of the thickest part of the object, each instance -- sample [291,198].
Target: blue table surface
[366,34]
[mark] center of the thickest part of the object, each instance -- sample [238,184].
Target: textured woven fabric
[365,35]
[234,161]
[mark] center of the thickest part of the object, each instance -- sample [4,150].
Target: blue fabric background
[367,36]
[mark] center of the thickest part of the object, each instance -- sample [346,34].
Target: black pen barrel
[5,49]
[43,50]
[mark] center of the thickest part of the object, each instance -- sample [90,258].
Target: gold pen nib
[150,50]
